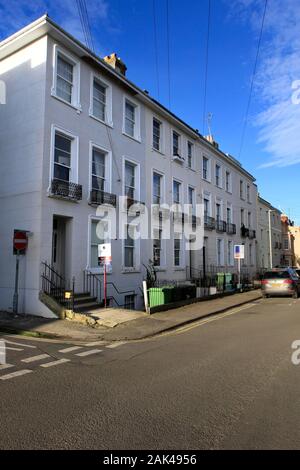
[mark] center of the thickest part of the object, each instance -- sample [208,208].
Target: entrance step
[87,307]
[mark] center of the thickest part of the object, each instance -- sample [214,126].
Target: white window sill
[178,268]
[228,192]
[158,151]
[160,269]
[135,138]
[106,123]
[71,105]
[206,180]
[192,169]
[99,270]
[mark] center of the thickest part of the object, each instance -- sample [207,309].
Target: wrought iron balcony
[244,231]
[98,197]
[231,229]
[251,234]
[209,222]
[66,190]
[220,225]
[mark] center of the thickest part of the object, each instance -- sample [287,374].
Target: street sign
[104,253]
[20,242]
[239,251]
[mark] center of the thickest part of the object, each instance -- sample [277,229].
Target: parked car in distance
[280,281]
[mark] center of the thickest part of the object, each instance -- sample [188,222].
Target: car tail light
[288,281]
[264,281]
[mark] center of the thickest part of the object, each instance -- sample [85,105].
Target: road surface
[226,382]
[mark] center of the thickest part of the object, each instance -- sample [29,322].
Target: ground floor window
[157,247]
[177,250]
[129,249]
[98,229]
[129,302]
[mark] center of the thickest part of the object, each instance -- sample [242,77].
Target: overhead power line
[85,24]
[168,54]
[252,80]
[155,48]
[206,64]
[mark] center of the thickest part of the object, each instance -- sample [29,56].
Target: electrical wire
[206,63]
[252,80]
[168,53]
[155,47]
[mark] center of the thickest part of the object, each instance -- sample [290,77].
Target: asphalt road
[227,382]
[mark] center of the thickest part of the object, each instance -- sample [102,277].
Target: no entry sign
[20,242]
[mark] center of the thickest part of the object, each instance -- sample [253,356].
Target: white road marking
[19,344]
[67,350]
[15,374]
[55,363]
[13,349]
[89,353]
[36,358]
[5,366]
[208,320]
[115,345]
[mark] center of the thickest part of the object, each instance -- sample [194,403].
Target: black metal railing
[209,222]
[231,229]
[101,197]
[244,231]
[57,287]
[92,284]
[220,225]
[66,189]
[252,234]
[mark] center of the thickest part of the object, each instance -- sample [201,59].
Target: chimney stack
[116,63]
[211,140]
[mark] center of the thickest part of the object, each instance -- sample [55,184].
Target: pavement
[227,381]
[127,325]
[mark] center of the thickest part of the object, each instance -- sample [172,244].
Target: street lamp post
[270,239]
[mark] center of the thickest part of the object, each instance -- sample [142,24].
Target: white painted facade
[29,121]
[269,235]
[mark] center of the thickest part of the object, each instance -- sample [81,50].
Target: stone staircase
[84,302]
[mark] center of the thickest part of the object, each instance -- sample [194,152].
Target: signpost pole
[239,271]
[105,286]
[16,295]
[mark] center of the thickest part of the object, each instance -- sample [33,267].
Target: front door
[58,245]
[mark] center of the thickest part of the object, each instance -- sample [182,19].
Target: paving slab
[122,325]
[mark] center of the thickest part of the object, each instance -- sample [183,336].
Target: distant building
[269,235]
[288,256]
[295,233]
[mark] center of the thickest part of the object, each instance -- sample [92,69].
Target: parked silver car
[281,281]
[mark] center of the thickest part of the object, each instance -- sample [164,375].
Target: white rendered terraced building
[76,133]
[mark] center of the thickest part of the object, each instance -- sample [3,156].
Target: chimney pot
[116,63]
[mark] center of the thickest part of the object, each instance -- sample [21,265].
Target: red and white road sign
[20,240]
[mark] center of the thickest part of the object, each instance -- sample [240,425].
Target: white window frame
[108,166]
[220,185]
[229,190]
[75,102]
[162,264]
[181,264]
[248,193]
[221,253]
[220,202]
[162,194]
[208,179]
[229,206]
[73,175]
[230,258]
[192,167]
[174,131]
[99,269]
[137,251]
[207,196]
[180,190]
[161,142]
[189,186]
[137,121]
[242,187]
[137,177]
[108,116]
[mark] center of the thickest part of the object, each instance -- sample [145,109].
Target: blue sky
[271,148]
